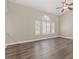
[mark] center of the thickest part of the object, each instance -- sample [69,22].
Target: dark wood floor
[58,48]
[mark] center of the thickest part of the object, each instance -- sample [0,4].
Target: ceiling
[43,5]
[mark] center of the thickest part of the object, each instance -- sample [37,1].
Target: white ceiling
[43,5]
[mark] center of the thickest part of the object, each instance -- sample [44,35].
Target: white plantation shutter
[48,28]
[37,27]
[44,28]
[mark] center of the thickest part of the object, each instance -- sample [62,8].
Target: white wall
[20,23]
[66,25]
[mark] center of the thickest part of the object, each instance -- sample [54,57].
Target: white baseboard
[36,40]
[29,40]
[66,37]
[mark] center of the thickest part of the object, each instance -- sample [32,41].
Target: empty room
[39,29]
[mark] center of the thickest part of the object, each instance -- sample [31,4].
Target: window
[48,28]
[45,17]
[37,27]
[45,26]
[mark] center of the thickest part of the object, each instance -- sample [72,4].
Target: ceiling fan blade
[62,10]
[71,4]
[58,7]
[70,8]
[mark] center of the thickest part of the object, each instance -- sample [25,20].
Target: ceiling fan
[66,6]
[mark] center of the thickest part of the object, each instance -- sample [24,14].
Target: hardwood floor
[57,48]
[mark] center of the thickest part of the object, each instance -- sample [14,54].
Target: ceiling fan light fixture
[65,7]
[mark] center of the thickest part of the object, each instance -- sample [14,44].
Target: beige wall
[66,25]
[20,23]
